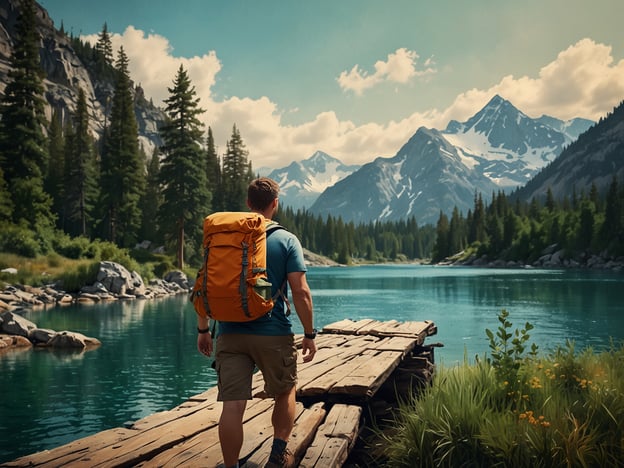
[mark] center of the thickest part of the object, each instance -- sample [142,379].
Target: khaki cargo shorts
[238,355]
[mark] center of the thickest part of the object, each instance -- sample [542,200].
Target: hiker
[266,342]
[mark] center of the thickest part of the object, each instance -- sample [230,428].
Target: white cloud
[399,68]
[582,81]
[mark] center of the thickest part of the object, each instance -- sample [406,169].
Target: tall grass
[516,409]
[75,264]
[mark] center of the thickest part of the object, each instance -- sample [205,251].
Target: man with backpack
[266,342]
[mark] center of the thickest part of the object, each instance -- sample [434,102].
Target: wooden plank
[163,417]
[199,449]
[302,435]
[329,381]
[73,451]
[335,438]
[348,326]
[419,330]
[150,442]
[398,343]
[204,449]
[368,374]
[321,375]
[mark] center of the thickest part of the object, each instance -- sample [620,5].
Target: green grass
[516,410]
[73,273]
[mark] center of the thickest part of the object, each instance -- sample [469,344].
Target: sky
[357,78]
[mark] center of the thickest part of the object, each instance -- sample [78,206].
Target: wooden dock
[357,362]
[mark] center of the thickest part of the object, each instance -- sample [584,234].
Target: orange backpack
[232,283]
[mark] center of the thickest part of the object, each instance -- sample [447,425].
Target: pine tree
[441,249]
[213,172]
[23,145]
[55,183]
[123,170]
[186,197]
[236,173]
[151,201]
[81,181]
[612,224]
[477,231]
[104,45]
[6,205]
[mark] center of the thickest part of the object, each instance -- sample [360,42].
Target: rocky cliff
[65,74]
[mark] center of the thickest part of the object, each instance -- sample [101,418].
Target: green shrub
[76,247]
[75,278]
[162,268]
[20,241]
[109,252]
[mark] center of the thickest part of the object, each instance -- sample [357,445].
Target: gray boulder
[115,277]
[138,286]
[178,277]
[67,339]
[41,335]
[14,324]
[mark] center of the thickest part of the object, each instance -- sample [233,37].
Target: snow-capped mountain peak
[302,182]
[499,147]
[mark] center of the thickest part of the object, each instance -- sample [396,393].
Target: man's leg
[231,430]
[283,417]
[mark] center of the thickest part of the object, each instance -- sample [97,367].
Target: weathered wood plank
[320,375]
[368,373]
[399,343]
[348,326]
[303,433]
[329,381]
[149,443]
[335,438]
[73,451]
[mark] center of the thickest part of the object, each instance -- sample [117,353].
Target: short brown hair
[261,193]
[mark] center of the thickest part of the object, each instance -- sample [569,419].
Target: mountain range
[499,148]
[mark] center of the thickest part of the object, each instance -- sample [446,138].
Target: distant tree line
[346,242]
[586,223]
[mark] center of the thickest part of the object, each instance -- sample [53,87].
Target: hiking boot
[282,460]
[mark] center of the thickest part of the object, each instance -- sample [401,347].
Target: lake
[148,361]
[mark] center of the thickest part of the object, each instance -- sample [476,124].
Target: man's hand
[308,348]
[204,343]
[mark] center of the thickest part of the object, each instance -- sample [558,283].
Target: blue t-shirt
[284,255]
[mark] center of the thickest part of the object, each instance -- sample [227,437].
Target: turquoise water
[148,361]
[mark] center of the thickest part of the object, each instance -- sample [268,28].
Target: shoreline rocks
[114,282]
[551,257]
[18,332]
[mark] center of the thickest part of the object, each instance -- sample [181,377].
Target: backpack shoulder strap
[274,226]
[271,228]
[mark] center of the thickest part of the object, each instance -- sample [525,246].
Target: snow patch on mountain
[302,182]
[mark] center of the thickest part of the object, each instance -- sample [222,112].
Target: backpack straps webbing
[271,228]
[205,285]
[242,286]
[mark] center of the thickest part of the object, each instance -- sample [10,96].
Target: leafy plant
[508,348]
